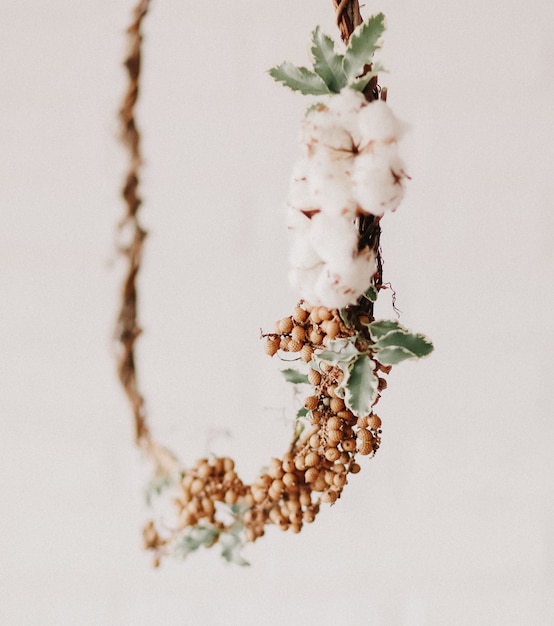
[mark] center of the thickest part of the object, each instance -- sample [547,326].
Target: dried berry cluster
[315,470]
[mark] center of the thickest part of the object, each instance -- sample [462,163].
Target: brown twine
[127,328]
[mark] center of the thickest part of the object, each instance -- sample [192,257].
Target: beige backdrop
[452,522]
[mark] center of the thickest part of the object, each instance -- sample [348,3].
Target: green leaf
[361,389]
[359,84]
[345,318]
[372,293]
[294,376]
[362,45]
[327,63]
[302,413]
[399,345]
[299,79]
[338,350]
[232,544]
[196,537]
[383,327]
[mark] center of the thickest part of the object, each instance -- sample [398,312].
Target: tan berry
[314,377]
[339,480]
[332,329]
[334,437]
[272,345]
[334,423]
[312,459]
[294,346]
[300,462]
[284,343]
[311,402]
[298,334]
[311,475]
[349,445]
[285,325]
[332,454]
[355,468]
[324,313]
[307,353]
[329,496]
[316,337]
[374,422]
[300,315]
[337,404]
[314,442]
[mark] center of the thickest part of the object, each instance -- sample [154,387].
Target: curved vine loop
[314,470]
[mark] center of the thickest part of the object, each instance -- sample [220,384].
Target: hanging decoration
[347,176]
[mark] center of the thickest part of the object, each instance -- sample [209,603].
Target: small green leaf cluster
[333,71]
[390,343]
[231,541]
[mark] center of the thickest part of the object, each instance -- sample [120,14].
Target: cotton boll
[346,107]
[297,221]
[302,254]
[377,122]
[329,180]
[342,284]
[300,190]
[322,128]
[378,180]
[335,239]
[304,281]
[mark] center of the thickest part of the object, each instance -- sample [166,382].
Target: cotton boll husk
[304,280]
[334,239]
[378,180]
[377,122]
[329,180]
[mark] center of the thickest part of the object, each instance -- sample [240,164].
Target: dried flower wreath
[348,175]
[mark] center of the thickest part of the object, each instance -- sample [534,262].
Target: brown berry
[307,353]
[300,315]
[311,403]
[272,345]
[285,325]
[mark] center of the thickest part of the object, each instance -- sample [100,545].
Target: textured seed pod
[231,496]
[314,315]
[311,403]
[312,459]
[294,346]
[334,423]
[374,422]
[298,334]
[361,422]
[284,343]
[306,353]
[349,445]
[365,448]
[285,325]
[272,345]
[316,337]
[319,484]
[314,441]
[305,498]
[314,377]
[329,496]
[316,417]
[337,404]
[344,458]
[300,315]
[334,437]
[275,469]
[324,313]
[288,462]
[339,468]
[311,475]
[332,454]
[339,480]
[197,486]
[329,477]
[332,329]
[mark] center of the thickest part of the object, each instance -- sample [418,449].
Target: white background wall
[452,522]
